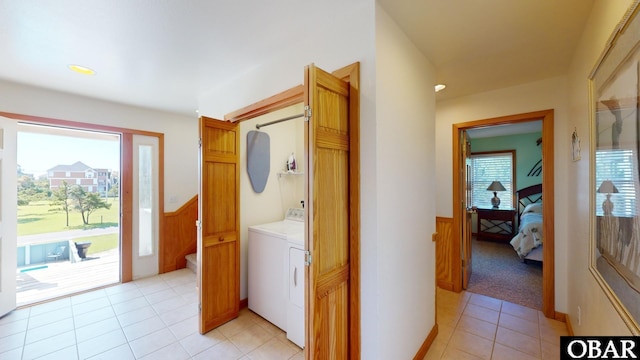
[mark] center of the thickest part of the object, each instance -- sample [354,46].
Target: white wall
[338,33]
[280,193]
[598,317]
[180,132]
[405,192]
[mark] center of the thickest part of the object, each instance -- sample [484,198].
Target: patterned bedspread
[530,234]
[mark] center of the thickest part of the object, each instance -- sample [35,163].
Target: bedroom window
[618,165]
[488,167]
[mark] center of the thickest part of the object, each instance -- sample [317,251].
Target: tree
[30,189]
[62,198]
[113,191]
[86,202]
[93,202]
[25,188]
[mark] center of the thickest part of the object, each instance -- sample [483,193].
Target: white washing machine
[269,268]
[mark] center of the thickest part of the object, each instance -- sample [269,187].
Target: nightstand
[496,224]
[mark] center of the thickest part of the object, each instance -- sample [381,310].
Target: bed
[528,242]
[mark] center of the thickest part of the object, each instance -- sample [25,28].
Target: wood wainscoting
[180,237]
[444,268]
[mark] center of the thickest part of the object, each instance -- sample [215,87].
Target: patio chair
[58,253]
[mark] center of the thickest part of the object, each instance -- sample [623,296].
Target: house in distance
[93,180]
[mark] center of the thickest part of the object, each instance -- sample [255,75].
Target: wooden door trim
[77,125]
[126,181]
[548,271]
[292,96]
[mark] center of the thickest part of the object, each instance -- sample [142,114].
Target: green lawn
[40,217]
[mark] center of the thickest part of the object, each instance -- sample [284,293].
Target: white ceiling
[165,54]
[490,44]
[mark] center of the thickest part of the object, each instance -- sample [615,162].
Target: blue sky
[38,152]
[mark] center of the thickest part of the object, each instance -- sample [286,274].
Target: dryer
[268,266]
[295,302]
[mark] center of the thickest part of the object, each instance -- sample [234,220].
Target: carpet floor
[497,271]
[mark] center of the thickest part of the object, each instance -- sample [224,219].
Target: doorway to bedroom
[510,155]
[487,272]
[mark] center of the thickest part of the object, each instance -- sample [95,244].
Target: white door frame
[8,214]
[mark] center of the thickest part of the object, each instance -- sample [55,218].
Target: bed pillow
[533,208]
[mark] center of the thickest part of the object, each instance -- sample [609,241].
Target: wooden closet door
[328,216]
[465,210]
[219,224]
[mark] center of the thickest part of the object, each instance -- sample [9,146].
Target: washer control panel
[296,214]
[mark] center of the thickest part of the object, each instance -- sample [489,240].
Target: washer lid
[277,229]
[281,229]
[292,224]
[296,239]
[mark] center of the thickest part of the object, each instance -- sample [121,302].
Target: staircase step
[192,262]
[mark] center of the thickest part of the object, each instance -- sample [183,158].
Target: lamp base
[607,205]
[495,201]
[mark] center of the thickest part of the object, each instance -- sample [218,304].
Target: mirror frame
[614,89]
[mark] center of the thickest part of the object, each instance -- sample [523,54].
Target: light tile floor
[156,318]
[472,326]
[152,318]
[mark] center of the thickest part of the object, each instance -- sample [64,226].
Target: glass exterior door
[145,206]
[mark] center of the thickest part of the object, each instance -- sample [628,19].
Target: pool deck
[45,281]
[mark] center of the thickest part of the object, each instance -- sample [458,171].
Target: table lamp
[495,187]
[608,188]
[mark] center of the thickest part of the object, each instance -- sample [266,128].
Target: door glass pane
[1,224]
[1,177]
[145,200]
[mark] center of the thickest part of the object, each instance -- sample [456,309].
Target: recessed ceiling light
[440,87]
[82,70]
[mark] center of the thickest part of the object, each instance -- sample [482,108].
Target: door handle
[295,276]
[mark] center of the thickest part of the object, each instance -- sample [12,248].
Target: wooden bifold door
[332,302]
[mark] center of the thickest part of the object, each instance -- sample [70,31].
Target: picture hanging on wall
[614,183]
[575,145]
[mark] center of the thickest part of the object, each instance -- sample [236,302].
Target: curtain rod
[258,126]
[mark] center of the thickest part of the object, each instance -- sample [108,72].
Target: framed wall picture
[615,185]
[575,146]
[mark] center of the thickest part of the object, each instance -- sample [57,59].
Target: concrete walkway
[63,235]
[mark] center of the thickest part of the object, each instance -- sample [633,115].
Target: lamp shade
[496,186]
[607,187]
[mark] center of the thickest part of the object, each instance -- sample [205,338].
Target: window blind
[489,167]
[619,166]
